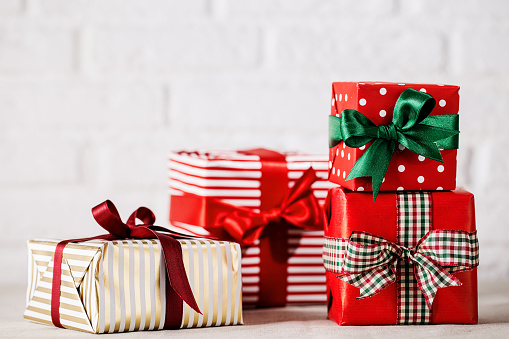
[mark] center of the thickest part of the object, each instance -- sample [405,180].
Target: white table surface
[284,322]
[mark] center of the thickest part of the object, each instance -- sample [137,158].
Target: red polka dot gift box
[393,136]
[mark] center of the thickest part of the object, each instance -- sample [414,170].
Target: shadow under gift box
[234,177]
[355,211]
[407,170]
[115,286]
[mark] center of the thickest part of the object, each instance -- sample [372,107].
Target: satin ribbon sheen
[370,262]
[412,126]
[241,224]
[177,285]
[280,208]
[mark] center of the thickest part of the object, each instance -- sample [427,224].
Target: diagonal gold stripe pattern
[118,286]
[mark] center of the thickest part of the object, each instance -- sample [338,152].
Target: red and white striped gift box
[234,178]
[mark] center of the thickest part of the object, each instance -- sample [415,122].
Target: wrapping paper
[115,286]
[235,178]
[347,213]
[407,170]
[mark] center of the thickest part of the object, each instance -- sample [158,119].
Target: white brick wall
[94,94]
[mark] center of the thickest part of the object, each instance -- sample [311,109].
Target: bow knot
[412,126]
[407,254]
[370,262]
[387,132]
[299,208]
[273,216]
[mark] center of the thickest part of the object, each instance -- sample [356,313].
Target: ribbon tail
[446,121]
[422,139]
[252,234]
[176,271]
[365,281]
[374,163]
[430,277]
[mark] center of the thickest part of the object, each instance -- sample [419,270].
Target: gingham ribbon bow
[370,262]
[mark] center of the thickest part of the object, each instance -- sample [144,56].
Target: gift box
[410,260]
[281,261]
[390,136]
[111,283]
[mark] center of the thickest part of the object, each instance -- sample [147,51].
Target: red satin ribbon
[241,224]
[177,285]
[280,208]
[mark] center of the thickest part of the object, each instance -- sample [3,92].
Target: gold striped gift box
[115,286]
[234,178]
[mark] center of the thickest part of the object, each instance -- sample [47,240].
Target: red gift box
[407,170]
[284,266]
[346,215]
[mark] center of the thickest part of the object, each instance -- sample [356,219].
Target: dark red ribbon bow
[177,285]
[299,208]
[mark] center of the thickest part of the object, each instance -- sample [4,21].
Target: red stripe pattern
[235,178]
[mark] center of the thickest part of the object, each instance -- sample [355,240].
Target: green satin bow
[411,126]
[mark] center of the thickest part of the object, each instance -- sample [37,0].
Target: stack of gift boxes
[394,243]
[400,240]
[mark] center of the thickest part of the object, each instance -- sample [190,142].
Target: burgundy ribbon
[280,208]
[177,285]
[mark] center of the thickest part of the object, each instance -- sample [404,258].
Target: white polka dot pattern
[407,170]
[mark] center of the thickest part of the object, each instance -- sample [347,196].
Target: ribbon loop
[273,216]
[407,254]
[106,215]
[145,215]
[412,126]
[370,261]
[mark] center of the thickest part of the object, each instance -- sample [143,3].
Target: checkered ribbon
[370,262]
